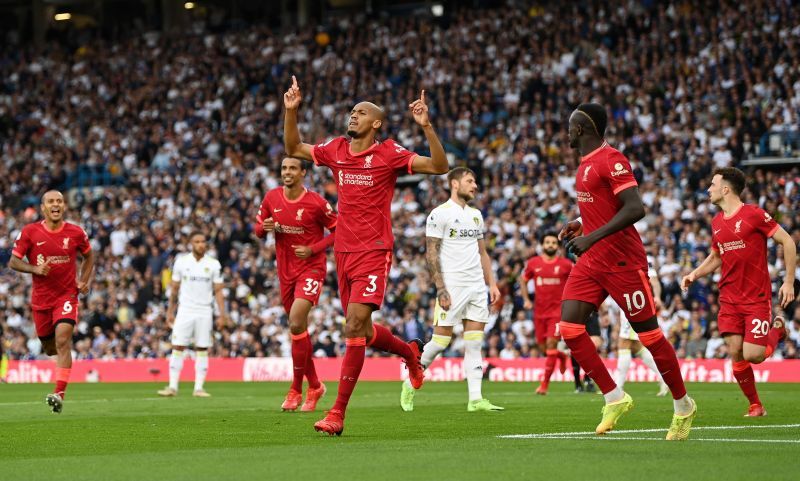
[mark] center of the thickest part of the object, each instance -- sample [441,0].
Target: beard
[550,252]
[351,133]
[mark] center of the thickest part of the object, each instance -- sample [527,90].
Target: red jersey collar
[595,151]
[63,224]
[371,147]
[283,192]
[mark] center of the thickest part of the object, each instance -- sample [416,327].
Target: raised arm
[291,135]
[437,162]
[631,211]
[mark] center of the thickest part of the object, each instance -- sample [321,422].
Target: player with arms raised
[298,217]
[461,270]
[549,273]
[612,262]
[52,247]
[739,245]
[365,171]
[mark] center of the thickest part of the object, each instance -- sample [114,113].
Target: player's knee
[756,358]
[297,325]
[50,348]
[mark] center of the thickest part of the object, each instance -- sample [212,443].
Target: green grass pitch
[125,432]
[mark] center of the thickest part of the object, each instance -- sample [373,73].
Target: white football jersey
[197,280]
[460,228]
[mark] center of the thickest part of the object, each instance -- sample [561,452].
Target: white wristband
[579,220]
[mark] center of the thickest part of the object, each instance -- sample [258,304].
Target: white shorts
[192,324]
[470,303]
[625,329]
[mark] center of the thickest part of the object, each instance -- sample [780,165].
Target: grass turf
[125,432]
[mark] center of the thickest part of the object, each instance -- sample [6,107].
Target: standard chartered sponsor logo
[584,197]
[355,179]
[289,229]
[40,259]
[731,246]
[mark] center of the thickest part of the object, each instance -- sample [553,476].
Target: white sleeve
[177,275]
[481,225]
[435,225]
[216,278]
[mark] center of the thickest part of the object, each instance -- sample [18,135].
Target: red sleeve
[83,244]
[527,274]
[264,212]
[22,244]
[325,153]
[764,222]
[323,244]
[617,171]
[398,157]
[329,216]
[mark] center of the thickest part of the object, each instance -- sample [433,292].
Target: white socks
[682,406]
[648,361]
[433,348]
[200,369]
[473,363]
[614,396]
[175,368]
[623,365]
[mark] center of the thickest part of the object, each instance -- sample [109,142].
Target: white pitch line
[636,431]
[631,438]
[112,400]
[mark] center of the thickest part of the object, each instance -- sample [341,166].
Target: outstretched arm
[631,211]
[437,162]
[291,135]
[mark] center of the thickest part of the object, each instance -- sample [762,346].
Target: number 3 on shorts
[67,308]
[372,286]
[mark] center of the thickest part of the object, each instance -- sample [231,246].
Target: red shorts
[544,327]
[307,286]
[65,310]
[362,276]
[630,290]
[752,321]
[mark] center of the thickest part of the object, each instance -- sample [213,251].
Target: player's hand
[786,294]
[444,298]
[578,245]
[303,252]
[419,110]
[571,230]
[42,269]
[659,304]
[170,320]
[268,224]
[222,321]
[527,305]
[292,97]
[83,287]
[494,294]
[686,281]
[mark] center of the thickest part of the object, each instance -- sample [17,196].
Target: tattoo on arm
[432,257]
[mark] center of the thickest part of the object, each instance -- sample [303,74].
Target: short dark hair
[458,173]
[547,234]
[197,232]
[734,177]
[598,116]
[304,164]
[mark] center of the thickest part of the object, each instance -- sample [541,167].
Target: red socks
[311,371]
[743,373]
[773,338]
[62,379]
[666,360]
[384,340]
[300,352]
[585,352]
[351,368]
[549,366]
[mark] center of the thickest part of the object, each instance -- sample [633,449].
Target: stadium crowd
[186,132]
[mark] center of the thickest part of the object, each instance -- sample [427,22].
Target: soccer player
[196,282]
[549,273]
[612,262]
[365,171]
[298,217]
[51,248]
[461,271]
[629,344]
[739,245]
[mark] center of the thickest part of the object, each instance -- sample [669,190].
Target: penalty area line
[592,435]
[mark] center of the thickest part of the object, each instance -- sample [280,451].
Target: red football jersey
[602,174]
[549,278]
[365,182]
[741,241]
[61,247]
[297,222]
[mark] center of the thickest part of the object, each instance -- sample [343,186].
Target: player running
[549,272]
[51,248]
[739,244]
[612,261]
[365,171]
[298,217]
[461,270]
[196,282]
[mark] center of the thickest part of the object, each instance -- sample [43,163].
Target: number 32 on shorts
[312,287]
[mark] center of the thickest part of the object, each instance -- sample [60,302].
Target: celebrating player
[196,281]
[739,244]
[461,270]
[51,248]
[549,273]
[612,261]
[365,171]
[298,217]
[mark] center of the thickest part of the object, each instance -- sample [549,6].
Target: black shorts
[593,325]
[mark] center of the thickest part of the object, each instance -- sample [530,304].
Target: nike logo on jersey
[40,243]
[756,336]
[717,231]
[537,270]
[277,210]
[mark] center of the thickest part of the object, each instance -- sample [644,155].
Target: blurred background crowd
[154,135]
